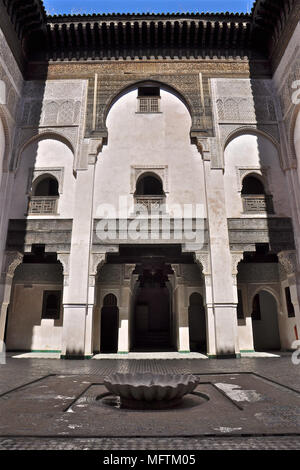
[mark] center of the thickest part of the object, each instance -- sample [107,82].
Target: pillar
[124,310]
[182,316]
[236,259]
[223,300]
[77,329]
[202,259]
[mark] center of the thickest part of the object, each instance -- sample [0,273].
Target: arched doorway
[152,312]
[265,322]
[197,324]
[109,325]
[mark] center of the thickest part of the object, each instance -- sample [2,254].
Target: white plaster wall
[149,139]
[48,154]
[245,334]
[26,330]
[297,140]
[286,324]
[252,151]
[2,148]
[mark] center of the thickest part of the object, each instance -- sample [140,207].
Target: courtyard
[247,403]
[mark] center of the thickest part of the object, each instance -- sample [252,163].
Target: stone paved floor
[188,444]
[19,372]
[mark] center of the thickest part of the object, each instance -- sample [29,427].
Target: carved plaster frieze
[203,260]
[95,147]
[288,260]
[127,271]
[97,260]
[204,147]
[12,260]
[236,259]
[64,259]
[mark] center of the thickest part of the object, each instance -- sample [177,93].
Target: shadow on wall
[35,321]
[26,313]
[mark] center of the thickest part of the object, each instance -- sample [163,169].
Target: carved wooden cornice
[151,36]
[26,15]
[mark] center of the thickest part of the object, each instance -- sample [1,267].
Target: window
[149,186]
[289,303]
[254,196]
[149,194]
[51,305]
[47,187]
[149,100]
[240,309]
[44,196]
[252,186]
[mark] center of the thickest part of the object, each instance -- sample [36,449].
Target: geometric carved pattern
[256,204]
[12,261]
[50,113]
[242,100]
[288,260]
[186,85]
[203,260]
[39,205]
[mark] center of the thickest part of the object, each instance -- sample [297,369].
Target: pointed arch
[44,135]
[135,85]
[271,291]
[244,130]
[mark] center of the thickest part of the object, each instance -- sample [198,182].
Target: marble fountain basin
[150,391]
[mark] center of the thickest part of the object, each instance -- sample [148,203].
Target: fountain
[150,391]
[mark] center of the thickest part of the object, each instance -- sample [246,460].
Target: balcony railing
[258,203]
[149,203]
[43,205]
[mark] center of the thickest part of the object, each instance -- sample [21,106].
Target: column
[182,314]
[124,310]
[11,262]
[77,309]
[202,259]
[223,299]
[236,259]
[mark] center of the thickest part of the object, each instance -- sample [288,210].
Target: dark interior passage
[197,324]
[152,327]
[109,325]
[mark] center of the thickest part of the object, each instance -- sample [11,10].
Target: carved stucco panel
[288,259]
[12,260]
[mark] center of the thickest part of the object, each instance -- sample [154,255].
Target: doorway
[197,324]
[152,313]
[109,325]
[265,322]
